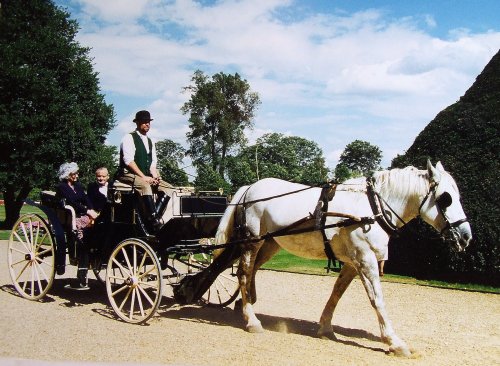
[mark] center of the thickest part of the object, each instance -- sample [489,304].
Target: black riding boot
[149,214]
[161,204]
[82,276]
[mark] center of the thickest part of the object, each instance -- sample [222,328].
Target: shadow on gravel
[232,318]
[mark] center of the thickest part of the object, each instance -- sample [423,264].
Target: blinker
[444,200]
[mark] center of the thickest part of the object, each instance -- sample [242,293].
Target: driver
[138,168]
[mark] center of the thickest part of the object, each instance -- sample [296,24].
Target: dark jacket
[96,197]
[77,198]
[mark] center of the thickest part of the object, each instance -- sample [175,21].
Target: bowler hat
[142,116]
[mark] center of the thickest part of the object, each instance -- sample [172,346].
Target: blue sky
[328,71]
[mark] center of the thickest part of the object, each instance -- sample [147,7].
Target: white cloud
[331,78]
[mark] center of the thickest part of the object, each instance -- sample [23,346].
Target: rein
[382,215]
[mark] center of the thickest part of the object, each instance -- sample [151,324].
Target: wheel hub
[132,281]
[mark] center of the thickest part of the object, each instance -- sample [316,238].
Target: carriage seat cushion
[65,213]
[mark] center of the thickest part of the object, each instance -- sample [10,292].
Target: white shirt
[104,189]
[128,147]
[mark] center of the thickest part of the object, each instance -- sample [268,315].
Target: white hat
[66,169]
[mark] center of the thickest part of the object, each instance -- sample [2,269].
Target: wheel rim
[31,256]
[133,281]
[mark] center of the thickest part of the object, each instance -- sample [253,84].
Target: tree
[360,157]
[170,156]
[220,109]
[274,155]
[210,180]
[51,110]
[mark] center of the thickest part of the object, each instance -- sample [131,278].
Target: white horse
[273,206]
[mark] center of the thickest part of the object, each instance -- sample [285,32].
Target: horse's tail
[226,224]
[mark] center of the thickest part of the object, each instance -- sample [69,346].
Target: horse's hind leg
[346,275]
[266,252]
[245,274]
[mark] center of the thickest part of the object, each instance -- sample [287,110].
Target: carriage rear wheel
[134,281]
[31,256]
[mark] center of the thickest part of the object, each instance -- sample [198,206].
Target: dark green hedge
[465,137]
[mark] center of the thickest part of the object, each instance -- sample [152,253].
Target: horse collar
[382,216]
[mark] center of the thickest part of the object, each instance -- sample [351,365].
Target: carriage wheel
[225,289]
[31,256]
[133,281]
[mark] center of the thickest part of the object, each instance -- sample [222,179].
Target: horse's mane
[401,183]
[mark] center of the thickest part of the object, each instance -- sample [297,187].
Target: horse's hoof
[400,351]
[327,336]
[255,329]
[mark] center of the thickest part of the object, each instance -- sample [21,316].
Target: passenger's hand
[92,214]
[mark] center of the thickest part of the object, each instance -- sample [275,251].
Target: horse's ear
[434,174]
[439,166]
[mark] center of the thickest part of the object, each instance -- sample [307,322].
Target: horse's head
[442,208]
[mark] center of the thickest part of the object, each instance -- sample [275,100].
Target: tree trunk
[13,205]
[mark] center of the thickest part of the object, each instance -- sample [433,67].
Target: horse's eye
[444,200]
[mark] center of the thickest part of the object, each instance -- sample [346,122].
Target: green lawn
[284,261]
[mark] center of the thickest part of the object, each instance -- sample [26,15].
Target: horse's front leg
[245,274]
[368,272]
[346,275]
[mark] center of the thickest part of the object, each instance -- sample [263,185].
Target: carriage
[134,265]
[352,221]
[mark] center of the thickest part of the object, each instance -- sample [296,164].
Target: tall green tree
[51,108]
[358,158]
[275,155]
[220,109]
[170,156]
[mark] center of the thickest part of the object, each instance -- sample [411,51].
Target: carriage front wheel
[31,256]
[134,281]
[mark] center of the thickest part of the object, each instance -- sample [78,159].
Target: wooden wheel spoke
[145,294]
[143,260]
[124,287]
[139,301]
[46,278]
[37,254]
[125,299]
[22,270]
[121,267]
[142,275]
[18,251]
[125,256]
[20,240]
[117,278]
[132,304]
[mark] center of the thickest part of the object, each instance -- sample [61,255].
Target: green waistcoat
[142,158]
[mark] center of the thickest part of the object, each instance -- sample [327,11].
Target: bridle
[442,203]
[383,211]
